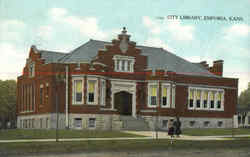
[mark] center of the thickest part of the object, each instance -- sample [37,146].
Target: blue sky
[64,25]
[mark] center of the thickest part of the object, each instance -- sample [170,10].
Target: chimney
[217,67]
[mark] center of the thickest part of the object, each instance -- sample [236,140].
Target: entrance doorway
[123,103]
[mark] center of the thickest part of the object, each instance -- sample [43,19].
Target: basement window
[78,123]
[192,123]
[92,122]
[164,123]
[206,123]
[220,123]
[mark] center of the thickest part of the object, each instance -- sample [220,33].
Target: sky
[63,25]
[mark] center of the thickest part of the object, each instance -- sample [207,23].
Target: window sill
[77,104]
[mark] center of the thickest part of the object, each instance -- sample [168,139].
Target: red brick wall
[46,73]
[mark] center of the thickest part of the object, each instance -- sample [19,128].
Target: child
[171,129]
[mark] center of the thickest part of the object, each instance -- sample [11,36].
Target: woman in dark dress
[177,127]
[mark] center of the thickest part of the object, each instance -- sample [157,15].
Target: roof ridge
[52,51]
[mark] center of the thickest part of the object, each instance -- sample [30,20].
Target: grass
[216,132]
[50,134]
[123,145]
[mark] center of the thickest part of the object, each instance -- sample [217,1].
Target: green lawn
[216,132]
[122,145]
[50,134]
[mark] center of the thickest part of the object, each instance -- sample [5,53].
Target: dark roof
[51,56]
[158,58]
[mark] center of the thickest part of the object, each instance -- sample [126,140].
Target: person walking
[171,129]
[177,127]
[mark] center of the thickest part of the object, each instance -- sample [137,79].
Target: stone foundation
[192,122]
[113,122]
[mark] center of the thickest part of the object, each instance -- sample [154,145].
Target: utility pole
[56,114]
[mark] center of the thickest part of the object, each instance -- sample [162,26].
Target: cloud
[197,59]
[180,32]
[57,12]
[177,30]
[156,42]
[244,78]
[236,31]
[88,26]
[153,26]
[11,24]
[45,32]
[11,71]
[12,29]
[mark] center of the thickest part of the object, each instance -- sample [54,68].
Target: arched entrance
[123,102]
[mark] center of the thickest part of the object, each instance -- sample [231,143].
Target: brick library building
[122,86]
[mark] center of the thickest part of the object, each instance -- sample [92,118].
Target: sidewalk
[148,134]
[164,135]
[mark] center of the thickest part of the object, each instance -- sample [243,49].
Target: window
[165,96]
[173,97]
[41,94]
[124,63]
[92,122]
[28,98]
[78,123]
[219,98]
[152,95]
[128,65]
[78,91]
[205,98]
[206,123]
[191,98]
[103,92]
[220,123]
[165,123]
[212,100]
[192,123]
[22,97]
[91,91]
[33,97]
[32,69]
[198,99]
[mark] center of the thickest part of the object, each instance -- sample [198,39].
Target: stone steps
[135,124]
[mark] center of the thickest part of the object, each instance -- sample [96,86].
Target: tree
[7,101]
[244,99]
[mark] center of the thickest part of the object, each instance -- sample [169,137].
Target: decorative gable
[122,55]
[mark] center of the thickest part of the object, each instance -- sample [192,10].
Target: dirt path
[169,153]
